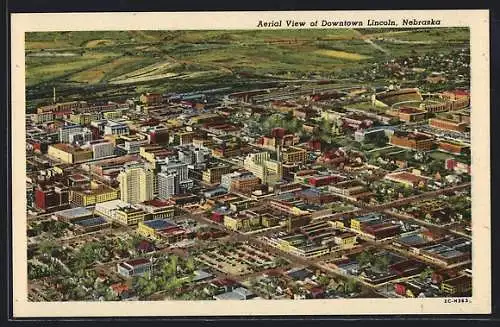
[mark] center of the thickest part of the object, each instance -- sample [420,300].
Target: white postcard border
[477,20]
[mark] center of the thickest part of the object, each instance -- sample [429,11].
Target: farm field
[342,55]
[64,66]
[171,60]
[98,73]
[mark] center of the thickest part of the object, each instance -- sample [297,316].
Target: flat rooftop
[74,213]
[96,221]
[370,217]
[411,240]
[113,204]
[158,203]
[69,148]
[159,224]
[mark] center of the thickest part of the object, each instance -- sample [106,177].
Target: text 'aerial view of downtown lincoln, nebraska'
[248,164]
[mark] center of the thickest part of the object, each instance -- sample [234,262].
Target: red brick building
[151,98]
[52,197]
[416,141]
[453,147]
[449,125]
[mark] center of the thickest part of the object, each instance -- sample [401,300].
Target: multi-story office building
[213,175]
[69,154]
[173,178]
[80,137]
[157,209]
[269,171]
[191,156]
[66,131]
[175,166]
[136,183]
[115,128]
[43,117]
[226,179]
[49,197]
[183,138]
[168,185]
[64,107]
[245,184]
[199,156]
[101,148]
[86,195]
[151,98]
[293,155]
[85,118]
[186,156]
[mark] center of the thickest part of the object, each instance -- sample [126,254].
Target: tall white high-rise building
[102,149]
[66,131]
[186,156]
[175,166]
[168,185]
[199,156]
[136,184]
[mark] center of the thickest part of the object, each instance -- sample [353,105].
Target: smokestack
[54,99]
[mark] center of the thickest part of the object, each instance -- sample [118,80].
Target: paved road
[297,260]
[430,226]
[366,208]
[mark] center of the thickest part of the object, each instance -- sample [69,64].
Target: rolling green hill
[107,61]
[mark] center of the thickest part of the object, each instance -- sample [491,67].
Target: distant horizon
[92,62]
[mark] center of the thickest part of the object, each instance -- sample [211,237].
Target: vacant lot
[237,259]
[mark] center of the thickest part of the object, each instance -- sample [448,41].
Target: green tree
[145,285]
[364,258]
[47,246]
[324,280]
[190,265]
[426,273]
[109,295]
[381,263]
[351,286]
[269,290]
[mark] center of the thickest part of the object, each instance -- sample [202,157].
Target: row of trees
[368,258]
[56,228]
[286,121]
[166,275]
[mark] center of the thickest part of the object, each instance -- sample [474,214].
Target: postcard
[251,163]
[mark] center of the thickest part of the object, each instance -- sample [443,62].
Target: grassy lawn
[367,106]
[384,150]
